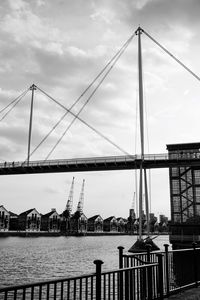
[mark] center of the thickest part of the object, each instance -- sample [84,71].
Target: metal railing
[81,287]
[148,275]
[104,160]
[180,267]
[141,282]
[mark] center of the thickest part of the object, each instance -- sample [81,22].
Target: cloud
[62,45]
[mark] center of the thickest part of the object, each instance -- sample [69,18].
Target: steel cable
[17,100]
[115,58]
[170,54]
[89,98]
[84,122]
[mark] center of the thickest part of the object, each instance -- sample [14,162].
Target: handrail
[104,159]
[39,283]
[147,265]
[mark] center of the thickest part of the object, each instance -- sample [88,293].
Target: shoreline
[47,234]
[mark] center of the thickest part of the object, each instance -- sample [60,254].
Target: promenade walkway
[191,294]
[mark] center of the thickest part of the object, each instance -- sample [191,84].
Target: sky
[61,46]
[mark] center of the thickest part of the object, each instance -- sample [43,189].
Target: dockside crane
[70,198]
[81,199]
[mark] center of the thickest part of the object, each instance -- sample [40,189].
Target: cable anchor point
[33,87]
[139,31]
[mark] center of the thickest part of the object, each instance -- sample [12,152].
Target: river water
[31,259]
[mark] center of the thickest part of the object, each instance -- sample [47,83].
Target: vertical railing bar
[92,287]
[5,295]
[47,291]
[145,282]
[61,290]
[74,289]
[40,292]
[121,275]
[138,286]
[113,286]
[126,286]
[153,282]
[104,286]
[55,290]
[160,274]
[68,289]
[24,293]
[80,286]
[15,294]
[131,284]
[109,286]
[32,293]
[118,285]
[86,288]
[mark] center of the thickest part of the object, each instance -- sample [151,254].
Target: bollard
[167,268]
[98,264]
[160,276]
[195,264]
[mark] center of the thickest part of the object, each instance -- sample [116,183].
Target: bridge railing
[128,283]
[104,160]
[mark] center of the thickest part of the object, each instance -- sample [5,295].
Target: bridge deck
[150,161]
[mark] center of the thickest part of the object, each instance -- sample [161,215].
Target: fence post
[120,283]
[120,248]
[167,268]
[195,264]
[149,272]
[98,264]
[160,276]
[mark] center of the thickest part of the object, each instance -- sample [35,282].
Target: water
[24,260]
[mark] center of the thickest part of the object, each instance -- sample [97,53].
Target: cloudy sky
[61,46]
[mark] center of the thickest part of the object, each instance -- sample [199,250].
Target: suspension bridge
[106,163]
[123,162]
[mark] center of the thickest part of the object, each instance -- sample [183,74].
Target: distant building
[95,224]
[121,224]
[184,193]
[29,220]
[65,221]
[163,219]
[78,223]
[130,221]
[13,221]
[51,221]
[152,221]
[156,227]
[4,219]
[184,183]
[136,226]
[110,224]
